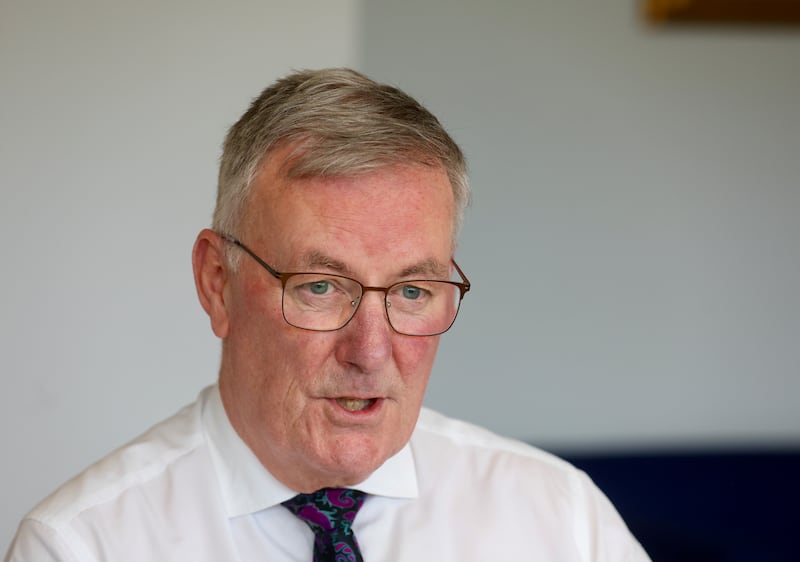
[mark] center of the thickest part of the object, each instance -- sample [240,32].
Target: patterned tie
[330,513]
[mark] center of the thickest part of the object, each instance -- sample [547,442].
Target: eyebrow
[429,268]
[315,258]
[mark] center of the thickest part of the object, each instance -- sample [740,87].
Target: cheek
[252,304]
[300,360]
[414,357]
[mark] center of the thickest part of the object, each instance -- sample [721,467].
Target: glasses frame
[283,276]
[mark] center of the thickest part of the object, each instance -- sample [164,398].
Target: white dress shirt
[190,490]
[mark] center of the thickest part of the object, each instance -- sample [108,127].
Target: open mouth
[355,404]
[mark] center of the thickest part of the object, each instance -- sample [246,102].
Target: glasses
[323,302]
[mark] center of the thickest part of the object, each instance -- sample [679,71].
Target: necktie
[330,513]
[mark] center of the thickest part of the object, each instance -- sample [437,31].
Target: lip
[372,411]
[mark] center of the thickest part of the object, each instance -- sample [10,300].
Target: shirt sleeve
[38,542]
[600,530]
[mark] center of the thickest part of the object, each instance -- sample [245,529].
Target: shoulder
[456,435]
[515,491]
[161,485]
[465,455]
[138,464]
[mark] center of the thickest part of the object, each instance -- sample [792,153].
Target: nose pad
[372,318]
[357,303]
[356,306]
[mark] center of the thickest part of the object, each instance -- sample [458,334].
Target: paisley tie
[330,513]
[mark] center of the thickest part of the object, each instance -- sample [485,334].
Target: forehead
[402,212]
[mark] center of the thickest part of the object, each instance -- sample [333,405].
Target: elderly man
[329,276]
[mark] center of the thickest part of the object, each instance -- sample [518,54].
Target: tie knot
[327,510]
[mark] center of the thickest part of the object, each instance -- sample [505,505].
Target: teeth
[353,404]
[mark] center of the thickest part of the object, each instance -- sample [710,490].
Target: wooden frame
[783,12]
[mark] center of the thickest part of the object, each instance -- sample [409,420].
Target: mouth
[356,404]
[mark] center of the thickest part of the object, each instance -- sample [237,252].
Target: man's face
[328,408]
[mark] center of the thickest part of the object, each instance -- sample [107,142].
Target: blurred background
[632,243]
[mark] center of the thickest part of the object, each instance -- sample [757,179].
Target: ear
[210,278]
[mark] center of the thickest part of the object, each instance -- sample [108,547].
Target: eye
[319,287]
[411,292]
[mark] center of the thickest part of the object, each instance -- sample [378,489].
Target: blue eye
[319,287]
[410,292]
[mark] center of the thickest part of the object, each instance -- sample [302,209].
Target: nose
[366,341]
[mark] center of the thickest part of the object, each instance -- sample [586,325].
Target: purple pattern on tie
[330,513]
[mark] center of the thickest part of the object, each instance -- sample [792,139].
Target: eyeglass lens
[328,302]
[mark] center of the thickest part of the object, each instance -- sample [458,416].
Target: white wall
[112,117]
[635,235]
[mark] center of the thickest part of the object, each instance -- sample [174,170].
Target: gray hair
[341,123]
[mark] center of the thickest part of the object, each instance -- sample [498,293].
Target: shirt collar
[248,487]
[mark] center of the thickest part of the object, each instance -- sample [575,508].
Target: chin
[353,460]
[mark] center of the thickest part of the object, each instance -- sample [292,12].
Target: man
[329,277]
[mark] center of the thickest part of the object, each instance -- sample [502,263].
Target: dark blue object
[694,507]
